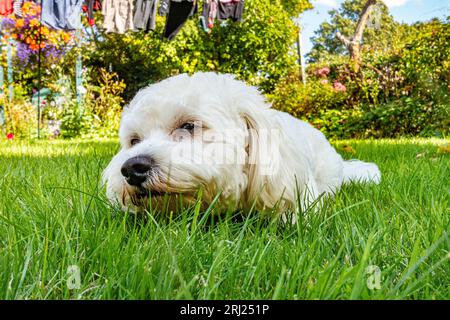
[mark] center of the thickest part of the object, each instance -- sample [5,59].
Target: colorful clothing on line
[164,7]
[209,11]
[118,16]
[62,14]
[89,7]
[6,7]
[230,9]
[222,10]
[18,8]
[145,15]
[179,13]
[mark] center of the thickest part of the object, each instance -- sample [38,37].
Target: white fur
[276,159]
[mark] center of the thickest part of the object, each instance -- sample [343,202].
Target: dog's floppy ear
[273,166]
[267,179]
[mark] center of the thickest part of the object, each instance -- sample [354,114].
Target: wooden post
[10,71]
[78,70]
[2,110]
[301,60]
[300,53]
[39,76]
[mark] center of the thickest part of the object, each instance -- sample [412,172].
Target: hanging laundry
[18,8]
[179,12]
[230,9]
[164,7]
[209,12]
[145,15]
[89,7]
[6,7]
[118,15]
[62,14]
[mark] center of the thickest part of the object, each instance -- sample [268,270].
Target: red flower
[10,136]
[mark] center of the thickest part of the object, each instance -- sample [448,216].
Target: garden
[385,100]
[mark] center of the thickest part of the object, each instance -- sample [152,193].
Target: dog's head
[188,133]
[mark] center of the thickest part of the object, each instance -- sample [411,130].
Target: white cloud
[395,3]
[328,3]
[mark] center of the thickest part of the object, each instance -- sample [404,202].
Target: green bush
[400,92]
[404,117]
[103,102]
[300,100]
[20,114]
[74,121]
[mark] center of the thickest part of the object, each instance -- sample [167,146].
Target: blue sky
[408,11]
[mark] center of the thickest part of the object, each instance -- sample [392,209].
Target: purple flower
[23,53]
[53,52]
[8,23]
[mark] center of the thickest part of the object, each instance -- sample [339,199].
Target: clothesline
[121,16]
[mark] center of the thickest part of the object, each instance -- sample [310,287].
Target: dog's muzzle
[137,169]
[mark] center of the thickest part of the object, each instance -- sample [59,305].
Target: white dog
[213,133]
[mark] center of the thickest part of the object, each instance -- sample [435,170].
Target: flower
[8,23]
[10,136]
[20,23]
[323,72]
[324,81]
[34,22]
[339,86]
[32,37]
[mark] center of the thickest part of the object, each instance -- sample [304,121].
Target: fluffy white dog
[213,133]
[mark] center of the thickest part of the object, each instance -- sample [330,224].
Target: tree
[353,44]
[350,24]
[295,7]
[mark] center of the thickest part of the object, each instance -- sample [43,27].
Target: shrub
[74,121]
[308,100]
[104,103]
[404,117]
[258,50]
[20,115]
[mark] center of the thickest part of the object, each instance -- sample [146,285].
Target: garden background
[400,89]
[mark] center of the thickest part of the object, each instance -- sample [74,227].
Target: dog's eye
[135,141]
[189,126]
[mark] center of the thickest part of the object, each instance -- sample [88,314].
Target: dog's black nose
[136,169]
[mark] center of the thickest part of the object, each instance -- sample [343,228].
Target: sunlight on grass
[53,215]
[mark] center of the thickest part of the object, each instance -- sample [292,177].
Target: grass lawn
[53,215]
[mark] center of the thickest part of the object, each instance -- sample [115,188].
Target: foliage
[404,117]
[381,34]
[103,101]
[400,91]
[20,114]
[74,121]
[317,95]
[295,7]
[258,50]
[99,113]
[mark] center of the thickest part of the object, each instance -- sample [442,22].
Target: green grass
[53,214]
